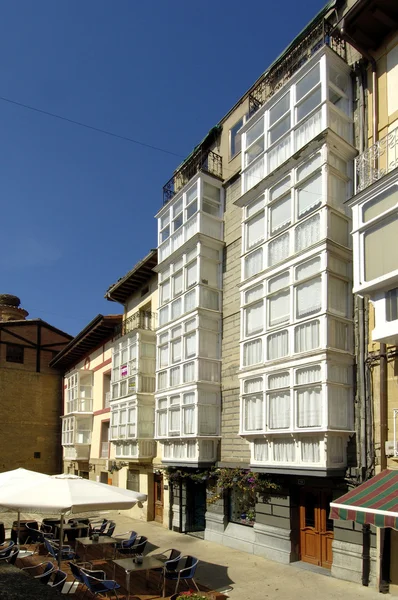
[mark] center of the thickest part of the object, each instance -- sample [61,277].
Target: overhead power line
[80,124]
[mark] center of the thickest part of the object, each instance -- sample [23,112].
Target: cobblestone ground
[243,576]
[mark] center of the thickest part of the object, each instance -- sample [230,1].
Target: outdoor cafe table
[129,566]
[80,529]
[88,542]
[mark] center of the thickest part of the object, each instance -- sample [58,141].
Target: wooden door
[158,497]
[316,529]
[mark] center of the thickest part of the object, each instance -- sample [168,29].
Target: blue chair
[139,545]
[53,549]
[99,528]
[110,528]
[172,557]
[124,546]
[10,555]
[6,547]
[185,573]
[36,536]
[98,585]
[76,571]
[57,579]
[45,575]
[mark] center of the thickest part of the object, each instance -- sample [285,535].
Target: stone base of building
[347,562]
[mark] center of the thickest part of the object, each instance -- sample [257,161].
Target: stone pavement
[243,576]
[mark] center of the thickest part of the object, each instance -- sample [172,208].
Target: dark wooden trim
[20,337]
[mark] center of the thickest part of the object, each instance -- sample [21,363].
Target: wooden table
[129,566]
[80,529]
[102,540]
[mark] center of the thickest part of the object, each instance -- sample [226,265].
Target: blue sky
[77,207]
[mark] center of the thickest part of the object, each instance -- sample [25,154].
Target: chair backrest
[131,541]
[50,548]
[6,546]
[111,528]
[173,560]
[57,579]
[34,534]
[76,572]
[89,582]
[140,544]
[190,562]
[7,550]
[13,555]
[46,574]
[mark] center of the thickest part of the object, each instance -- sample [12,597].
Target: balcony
[131,420]
[202,160]
[189,452]
[139,320]
[377,161]
[79,405]
[76,452]
[136,450]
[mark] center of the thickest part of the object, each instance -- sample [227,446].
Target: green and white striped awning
[374,502]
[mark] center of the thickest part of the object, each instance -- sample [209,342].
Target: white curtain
[207,420]
[309,297]
[253,411]
[308,375]
[284,450]
[177,283]
[311,267]
[338,337]
[280,214]
[251,386]
[163,356]
[174,420]
[253,294]
[189,420]
[310,195]
[190,301]
[255,206]
[279,308]
[209,371]
[310,450]
[209,298]
[189,372]
[280,188]
[338,401]
[190,345]
[338,296]
[307,233]
[279,282]
[279,153]
[192,274]
[279,380]
[278,249]
[308,130]
[277,345]
[308,167]
[176,350]
[175,376]
[309,406]
[279,410]
[162,380]
[254,318]
[163,315]
[254,263]
[339,232]
[306,336]
[252,352]
[176,308]
[209,344]
[260,450]
[254,174]
[255,231]
[165,291]
[335,449]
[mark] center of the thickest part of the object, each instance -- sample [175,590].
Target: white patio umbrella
[18,476]
[67,495]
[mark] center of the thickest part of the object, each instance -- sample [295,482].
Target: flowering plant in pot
[191,595]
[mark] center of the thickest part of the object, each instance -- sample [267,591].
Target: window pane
[280,189]
[278,345]
[192,274]
[392,305]
[174,421]
[254,263]
[255,150]
[279,109]
[211,192]
[190,301]
[308,298]
[254,294]
[165,291]
[309,407]
[210,208]
[192,193]
[306,337]
[254,132]
[380,249]
[176,349]
[338,296]
[189,372]
[280,214]
[279,410]
[192,209]
[163,356]
[251,386]
[177,283]
[280,129]
[309,166]
[165,233]
[176,309]
[307,105]
[279,380]
[255,231]
[308,82]
[284,451]
[310,195]
[279,282]
[254,318]
[235,138]
[308,375]
[252,352]
[310,267]
[190,345]
[384,201]
[177,222]
[175,376]
[189,420]
[278,249]
[255,206]
[279,308]
[307,233]
[253,412]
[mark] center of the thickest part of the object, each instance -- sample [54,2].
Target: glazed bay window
[133,365]
[188,414]
[253,405]
[318,97]
[123,421]
[197,209]
[79,392]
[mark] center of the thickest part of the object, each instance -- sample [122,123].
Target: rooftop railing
[205,161]
[138,320]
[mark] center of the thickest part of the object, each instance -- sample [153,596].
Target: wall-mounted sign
[123,371]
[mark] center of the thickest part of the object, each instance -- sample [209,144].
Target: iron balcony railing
[201,160]
[377,161]
[139,320]
[278,75]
